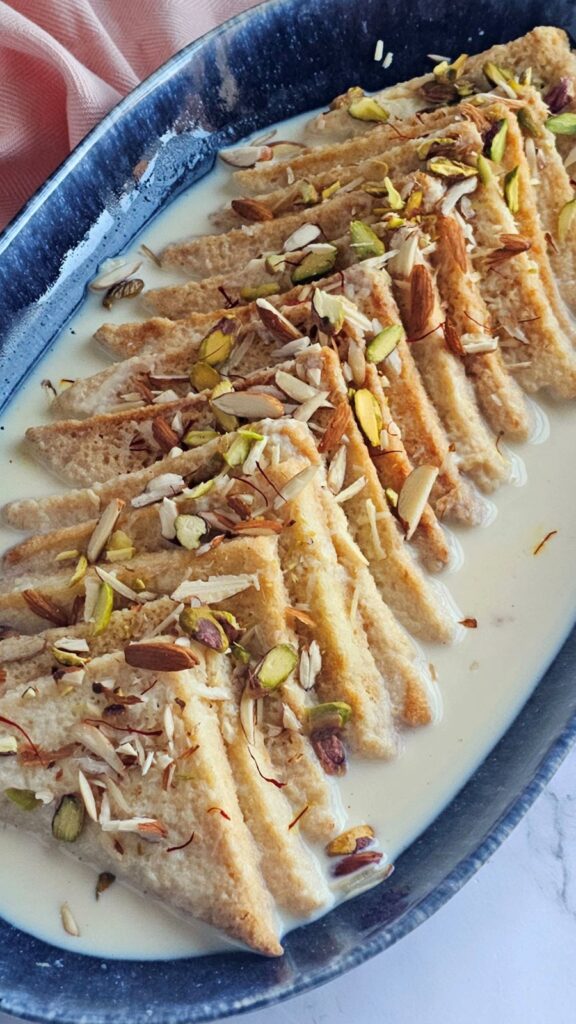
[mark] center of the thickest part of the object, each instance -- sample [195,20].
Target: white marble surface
[503,951]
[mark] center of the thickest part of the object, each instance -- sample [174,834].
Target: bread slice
[216,876]
[544,50]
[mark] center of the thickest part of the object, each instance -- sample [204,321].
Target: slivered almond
[249,405]
[294,387]
[452,338]
[421,299]
[245,156]
[165,437]
[296,484]
[299,615]
[303,236]
[454,238]
[44,607]
[251,209]
[159,657]
[512,245]
[276,322]
[414,496]
[258,527]
[104,529]
[337,426]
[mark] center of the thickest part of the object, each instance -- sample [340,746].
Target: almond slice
[251,210]
[159,657]
[104,529]
[414,496]
[245,156]
[44,607]
[249,405]
[294,387]
[275,322]
[303,236]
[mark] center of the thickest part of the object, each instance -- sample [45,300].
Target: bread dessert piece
[216,877]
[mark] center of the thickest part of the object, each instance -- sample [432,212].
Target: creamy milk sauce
[524,605]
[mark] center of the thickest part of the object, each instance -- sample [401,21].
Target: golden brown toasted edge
[215,876]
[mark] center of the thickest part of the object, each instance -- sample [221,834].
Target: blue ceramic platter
[285,57]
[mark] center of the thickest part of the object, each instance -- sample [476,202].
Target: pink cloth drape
[64,63]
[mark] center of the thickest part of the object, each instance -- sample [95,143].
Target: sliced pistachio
[391,497]
[394,197]
[189,530]
[197,438]
[368,109]
[562,124]
[8,745]
[201,625]
[120,547]
[566,218]
[330,190]
[364,240]
[332,715]
[369,415]
[217,346]
[275,263]
[483,168]
[67,556]
[527,123]
[307,194]
[328,310]
[276,666]
[79,571]
[229,623]
[497,146]
[25,799]
[259,291]
[444,168]
[313,266]
[384,343]
[238,451]
[226,420]
[413,203]
[414,495]
[103,608]
[68,658]
[200,489]
[240,654]
[497,75]
[204,377]
[512,190]
[451,71]
[351,841]
[425,148]
[68,821]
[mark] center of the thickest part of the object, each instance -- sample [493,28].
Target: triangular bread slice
[214,876]
[544,50]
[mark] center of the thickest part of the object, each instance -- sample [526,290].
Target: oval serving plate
[280,59]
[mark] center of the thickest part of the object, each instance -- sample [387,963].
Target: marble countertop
[502,950]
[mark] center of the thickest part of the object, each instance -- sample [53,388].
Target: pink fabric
[64,63]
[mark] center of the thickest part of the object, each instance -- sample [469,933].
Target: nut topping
[159,657]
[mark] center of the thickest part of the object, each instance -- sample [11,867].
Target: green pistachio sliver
[498,144]
[201,625]
[332,714]
[119,541]
[527,123]
[252,435]
[67,556]
[526,77]
[203,376]
[484,171]
[238,451]
[330,190]
[121,555]
[68,658]
[368,109]
[313,266]
[68,821]
[561,124]
[216,347]
[365,241]
[261,291]
[391,497]
[566,218]
[445,168]
[199,490]
[103,609]
[275,263]
[384,343]
[79,571]
[369,415]
[394,197]
[196,438]
[512,190]
[25,799]
[497,75]
[450,71]
[226,420]
[276,666]
[240,654]
[189,530]
[307,193]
